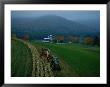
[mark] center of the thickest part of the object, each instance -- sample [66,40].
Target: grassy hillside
[21,59]
[84,60]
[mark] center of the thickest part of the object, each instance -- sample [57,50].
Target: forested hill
[40,27]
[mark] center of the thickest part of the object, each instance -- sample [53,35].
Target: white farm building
[48,39]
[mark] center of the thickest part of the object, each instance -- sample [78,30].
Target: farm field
[26,61]
[76,60]
[55,43]
[80,60]
[21,62]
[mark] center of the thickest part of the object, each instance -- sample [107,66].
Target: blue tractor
[55,64]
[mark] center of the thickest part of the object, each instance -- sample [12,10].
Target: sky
[71,15]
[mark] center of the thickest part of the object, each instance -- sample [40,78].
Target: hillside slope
[40,27]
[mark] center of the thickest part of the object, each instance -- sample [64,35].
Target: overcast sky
[71,15]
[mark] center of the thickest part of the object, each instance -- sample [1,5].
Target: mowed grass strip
[85,60]
[21,59]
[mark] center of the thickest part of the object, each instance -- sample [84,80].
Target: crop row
[41,68]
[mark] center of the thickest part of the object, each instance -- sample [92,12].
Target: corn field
[41,67]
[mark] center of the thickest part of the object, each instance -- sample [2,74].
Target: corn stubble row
[41,68]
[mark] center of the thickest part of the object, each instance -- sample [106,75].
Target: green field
[79,59]
[21,59]
[75,59]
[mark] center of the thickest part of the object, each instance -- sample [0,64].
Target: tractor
[55,64]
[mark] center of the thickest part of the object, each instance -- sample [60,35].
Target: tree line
[88,40]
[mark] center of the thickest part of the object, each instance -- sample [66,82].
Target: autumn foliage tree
[89,40]
[59,39]
[25,37]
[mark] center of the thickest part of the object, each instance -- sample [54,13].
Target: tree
[25,37]
[59,39]
[70,38]
[97,40]
[74,39]
[89,40]
[13,35]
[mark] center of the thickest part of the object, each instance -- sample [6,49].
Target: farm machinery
[53,60]
[55,64]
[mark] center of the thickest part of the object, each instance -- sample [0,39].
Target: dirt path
[41,68]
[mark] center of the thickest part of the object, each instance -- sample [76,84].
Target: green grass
[21,59]
[82,59]
[75,59]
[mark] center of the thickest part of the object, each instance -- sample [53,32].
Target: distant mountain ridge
[39,27]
